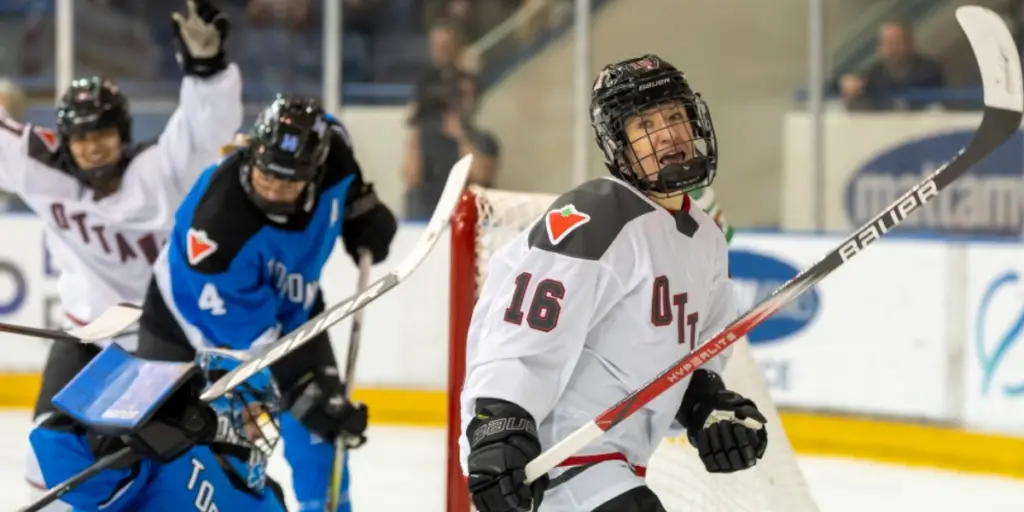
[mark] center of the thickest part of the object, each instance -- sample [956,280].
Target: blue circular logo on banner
[756,276]
[11,301]
[989,199]
[992,351]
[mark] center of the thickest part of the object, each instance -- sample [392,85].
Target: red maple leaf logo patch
[563,221]
[199,246]
[47,136]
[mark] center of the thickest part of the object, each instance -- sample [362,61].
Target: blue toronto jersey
[231,275]
[193,481]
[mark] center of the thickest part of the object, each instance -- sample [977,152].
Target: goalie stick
[1000,66]
[269,354]
[109,324]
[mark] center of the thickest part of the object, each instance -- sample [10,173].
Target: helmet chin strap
[676,177]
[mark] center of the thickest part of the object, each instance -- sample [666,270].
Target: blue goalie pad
[117,392]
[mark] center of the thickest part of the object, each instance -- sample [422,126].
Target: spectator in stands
[276,44]
[436,83]
[12,100]
[471,20]
[890,82]
[363,22]
[436,141]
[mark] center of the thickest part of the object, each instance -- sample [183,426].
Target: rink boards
[909,353]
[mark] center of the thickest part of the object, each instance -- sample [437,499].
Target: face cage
[672,179]
[304,200]
[267,424]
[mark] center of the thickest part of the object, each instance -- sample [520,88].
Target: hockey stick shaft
[1004,98]
[340,449]
[365,262]
[36,332]
[283,346]
[114,459]
[109,324]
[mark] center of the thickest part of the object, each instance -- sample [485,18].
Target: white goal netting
[675,473]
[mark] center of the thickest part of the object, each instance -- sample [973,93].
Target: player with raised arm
[186,454]
[243,264]
[620,276]
[107,203]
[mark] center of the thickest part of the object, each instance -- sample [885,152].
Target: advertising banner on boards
[993,349]
[845,343]
[22,291]
[871,159]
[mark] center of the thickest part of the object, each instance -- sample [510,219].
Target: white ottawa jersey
[599,296]
[104,248]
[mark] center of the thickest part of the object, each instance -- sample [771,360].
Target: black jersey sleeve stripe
[227,217]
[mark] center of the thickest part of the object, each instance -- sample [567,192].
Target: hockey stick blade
[109,324]
[1000,66]
[287,344]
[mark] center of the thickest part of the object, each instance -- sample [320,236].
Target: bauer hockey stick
[109,324]
[340,448]
[273,352]
[1000,66]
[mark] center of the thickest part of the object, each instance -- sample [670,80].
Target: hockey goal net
[485,220]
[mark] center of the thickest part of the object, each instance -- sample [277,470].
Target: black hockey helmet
[290,141]
[625,90]
[89,104]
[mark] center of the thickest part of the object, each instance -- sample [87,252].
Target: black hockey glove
[726,429]
[502,440]
[318,401]
[179,424]
[199,38]
[368,224]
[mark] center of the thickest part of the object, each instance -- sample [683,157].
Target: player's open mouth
[674,156]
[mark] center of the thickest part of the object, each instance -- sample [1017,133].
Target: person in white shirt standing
[108,203]
[620,277]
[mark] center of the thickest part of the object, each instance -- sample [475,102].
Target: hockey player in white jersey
[619,278]
[108,203]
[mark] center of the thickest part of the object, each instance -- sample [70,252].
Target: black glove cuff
[498,420]
[168,437]
[317,400]
[101,446]
[704,385]
[362,201]
[373,229]
[201,68]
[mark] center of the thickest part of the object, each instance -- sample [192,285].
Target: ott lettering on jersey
[199,246]
[96,235]
[291,285]
[662,302]
[564,221]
